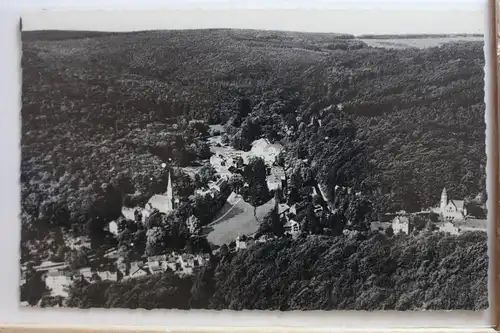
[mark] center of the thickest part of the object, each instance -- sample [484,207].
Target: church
[164,203]
[451,210]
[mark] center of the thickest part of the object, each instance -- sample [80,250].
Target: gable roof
[401,219]
[282,208]
[129,213]
[457,203]
[159,202]
[139,269]
[265,147]
[291,223]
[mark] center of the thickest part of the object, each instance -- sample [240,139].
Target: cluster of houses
[226,160]
[451,215]
[291,227]
[58,281]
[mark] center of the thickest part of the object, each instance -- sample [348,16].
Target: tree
[272,224]
[194,225]
[236,183]
[255,174]
[155,241]
[311,223]
[59,256]
[34,287]
[359,212]
[202,150]
[335,222]
[76,259]
[204,175]
[203,288]
[155,219]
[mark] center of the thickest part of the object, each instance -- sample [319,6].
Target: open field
[236,218]
[401,43]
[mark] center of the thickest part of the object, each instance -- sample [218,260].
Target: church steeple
[444,199]
[170,195]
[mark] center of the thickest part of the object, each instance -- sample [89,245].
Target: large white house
[267,151]
[448,227]
[401,224]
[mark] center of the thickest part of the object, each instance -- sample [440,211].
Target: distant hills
[77,34]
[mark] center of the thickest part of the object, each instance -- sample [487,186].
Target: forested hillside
[396,124]
[379,129]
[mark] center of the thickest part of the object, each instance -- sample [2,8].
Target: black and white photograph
[252,169]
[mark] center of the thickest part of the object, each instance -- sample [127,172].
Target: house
[267,151]
[379,226]
[241,243]
[113,228]
[219,184]
[318,209]
[86,273]
[187,263]
[158,258]
[283,208]
[130,213]
[217,161]
[450,210]
[221,163]
[137,269]
[401,224]
[275,177]
[448,227]
[58,282]
[172,263]
[157,264]
[155,268]
[108,276]
[292,228]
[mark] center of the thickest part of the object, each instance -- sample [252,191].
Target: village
[237,223]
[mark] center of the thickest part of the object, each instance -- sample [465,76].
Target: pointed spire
[170,195]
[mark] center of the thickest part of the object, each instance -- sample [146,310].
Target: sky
[355,16]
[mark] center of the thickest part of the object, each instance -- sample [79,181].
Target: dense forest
[101,112]
[361,115]
[431,271]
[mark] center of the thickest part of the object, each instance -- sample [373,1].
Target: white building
[401,224]
[157,264]
[240,244]
[275,178]
[137,269]
[58,282]
[219,184]
[86,273]
[448,227]
[451,210]
[129,213]
[267,151]
[292,228]
[190,262]
[108,276]
[164,203]
[113,228]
